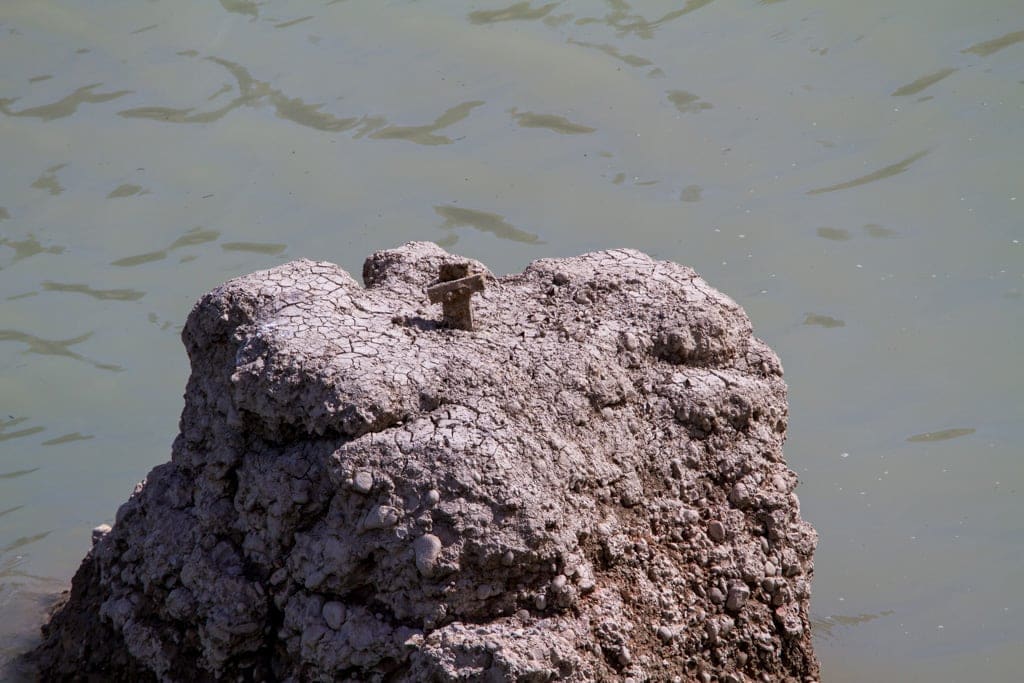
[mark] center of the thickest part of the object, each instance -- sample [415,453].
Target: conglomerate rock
[587,487]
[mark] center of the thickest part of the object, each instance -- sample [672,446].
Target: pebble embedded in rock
[716,595]
[740,495]
[716,530]
[738,594]
[334,614]
[381,517]
[363,481]
[665,633]
[428,551]
[433,496]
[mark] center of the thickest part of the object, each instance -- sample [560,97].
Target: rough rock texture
[588,487]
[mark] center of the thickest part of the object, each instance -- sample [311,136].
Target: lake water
[850,172]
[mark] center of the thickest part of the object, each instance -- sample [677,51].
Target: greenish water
[849,172]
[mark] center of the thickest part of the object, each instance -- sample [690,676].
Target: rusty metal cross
[453,290]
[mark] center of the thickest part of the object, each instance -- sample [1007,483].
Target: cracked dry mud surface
[588,487]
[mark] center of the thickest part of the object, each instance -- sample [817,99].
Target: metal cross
[453,290]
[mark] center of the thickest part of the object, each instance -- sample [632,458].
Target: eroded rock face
[587,487]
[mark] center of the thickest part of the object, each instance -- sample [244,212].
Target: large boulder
[588,486]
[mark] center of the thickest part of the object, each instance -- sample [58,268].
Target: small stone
[625,656]
[508,559]
[540,601]
[788,620]
[630,341]
[738,594]
[781,597]
[334,614]
[428,551]
[558,583]
[560,279]
[363,481]
[740,495]
[381,517]
[716,595]
[665,633]
[716,530]
[433,496]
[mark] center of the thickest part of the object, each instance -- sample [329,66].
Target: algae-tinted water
[849,172]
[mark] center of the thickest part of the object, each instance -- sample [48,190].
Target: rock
[362,481]
[738,594]
[334,614]
[99,532]
[362,490]
[428,550]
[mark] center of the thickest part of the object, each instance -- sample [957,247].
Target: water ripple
[625,21]
[55,347]
[48,180]
[834,234]
[67,438]
[65,106]
[127,190]
[24,541]
[101,294]
[611,50]
[995,45]
[252,93]
[826,321]
[195,236]
[292,22]
[485,221]
[15,474]
[923,83]
[687,102]
[559,124]
[890,170]
[424,135]
[244,7]
[520,11]
[29,247]
[4,424]
[942,435]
